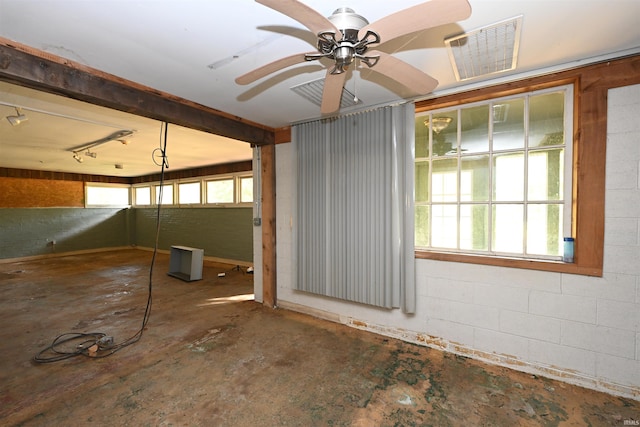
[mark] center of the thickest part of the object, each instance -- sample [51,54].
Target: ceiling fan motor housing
[348,22]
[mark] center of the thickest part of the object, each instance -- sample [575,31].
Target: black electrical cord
[98,344]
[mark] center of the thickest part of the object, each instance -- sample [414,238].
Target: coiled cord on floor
[99,344]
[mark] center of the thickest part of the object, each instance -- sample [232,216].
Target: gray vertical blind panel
[350,206]
[311,228]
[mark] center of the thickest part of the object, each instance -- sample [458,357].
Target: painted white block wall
[583,330]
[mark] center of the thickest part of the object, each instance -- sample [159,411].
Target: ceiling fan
[345,37]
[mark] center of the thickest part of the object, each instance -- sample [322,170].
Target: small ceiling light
[438,124]
[17,119]
[78,158]
[91,154]
[119,166]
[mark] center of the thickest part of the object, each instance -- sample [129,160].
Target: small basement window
[107,195]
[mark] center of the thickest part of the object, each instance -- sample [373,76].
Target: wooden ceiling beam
[30,67]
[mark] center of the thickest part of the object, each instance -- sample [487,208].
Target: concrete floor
[210,356]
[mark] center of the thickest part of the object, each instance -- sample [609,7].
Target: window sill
[552,266]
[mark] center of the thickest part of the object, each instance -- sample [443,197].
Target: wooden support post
[268,162]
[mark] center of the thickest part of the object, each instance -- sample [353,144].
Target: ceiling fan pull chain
[355,80]
[355,96]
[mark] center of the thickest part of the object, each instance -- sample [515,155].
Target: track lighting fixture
[120,136]
[18,118]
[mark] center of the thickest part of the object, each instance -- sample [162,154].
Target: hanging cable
[99,344]
[161,152]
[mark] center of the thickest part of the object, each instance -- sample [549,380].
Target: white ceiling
[170,45]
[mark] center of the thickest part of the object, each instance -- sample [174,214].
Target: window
[231,189]
[495,177]
[189,193]
[106,195]
[142,196]
[246,189]
[166,194]
[220,191]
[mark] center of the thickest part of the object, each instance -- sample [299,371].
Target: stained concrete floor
[210,356]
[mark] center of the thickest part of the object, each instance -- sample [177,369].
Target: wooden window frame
[566,201]
[591,84]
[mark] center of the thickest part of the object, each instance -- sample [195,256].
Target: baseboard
[63,254]
[205,258]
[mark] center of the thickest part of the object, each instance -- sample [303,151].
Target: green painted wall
[222,232]
[29,231]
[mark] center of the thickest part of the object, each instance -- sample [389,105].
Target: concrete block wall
[29,232]
[225,234]
[583,330]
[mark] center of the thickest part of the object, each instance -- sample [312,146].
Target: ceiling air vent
[312,91]
[487,50]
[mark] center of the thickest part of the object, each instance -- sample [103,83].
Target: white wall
[579,329]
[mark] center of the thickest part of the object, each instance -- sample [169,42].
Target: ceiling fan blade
[272,67]
[417,18]
[407,75]
[332,92]
[302,13]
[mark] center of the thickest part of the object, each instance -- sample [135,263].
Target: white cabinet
[186,263]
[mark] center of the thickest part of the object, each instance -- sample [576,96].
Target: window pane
[444,180]
[246,189]
[508,177]
[189,193]
[474,227]
[546,119]
[220,191]
[444,128]
[444,228]
[167,194]
[422,226]
[508,124]
[107,196]
[544,229]
[475,129]
[508,228]
[143,195]
[546,172]
[422,181]
[422,137]
[474,178]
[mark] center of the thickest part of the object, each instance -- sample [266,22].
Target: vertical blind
[354,207]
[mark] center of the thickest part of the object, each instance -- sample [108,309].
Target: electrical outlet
[257,222]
